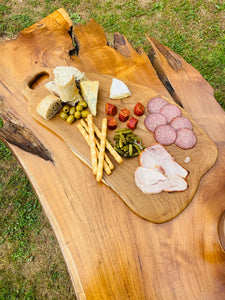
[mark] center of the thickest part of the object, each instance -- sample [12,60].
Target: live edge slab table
[110,250]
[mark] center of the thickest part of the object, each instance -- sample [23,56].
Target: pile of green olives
[72,113]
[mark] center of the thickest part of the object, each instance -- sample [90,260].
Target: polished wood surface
[156,208]
[111,252]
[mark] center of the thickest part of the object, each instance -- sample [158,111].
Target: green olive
[84,114]
[70,119]
[77,115]
[66,108]
[79,107]
[63,115]
[83,104]
[72,110]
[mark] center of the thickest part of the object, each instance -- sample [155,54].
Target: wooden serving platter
[156,208]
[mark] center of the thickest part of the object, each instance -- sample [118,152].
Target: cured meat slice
[139,109]
[154,120]
[165,135]
[110,109]
[170,111]
[150,181]
[124,114]
[154,105]
[186,138]
[111,123]
[157,156]
[181,122]
[159,172]
[132,123]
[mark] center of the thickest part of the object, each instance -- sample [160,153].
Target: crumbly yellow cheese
[89,90]
[65,83]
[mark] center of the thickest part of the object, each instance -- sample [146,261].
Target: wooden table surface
[112,253]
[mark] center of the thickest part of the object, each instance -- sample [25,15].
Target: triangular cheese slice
[89,90]
[119,90]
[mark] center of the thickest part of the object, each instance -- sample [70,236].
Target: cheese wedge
[89,90]
[49,106]
[65,84]
[119,89]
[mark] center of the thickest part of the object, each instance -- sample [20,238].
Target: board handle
[34,80]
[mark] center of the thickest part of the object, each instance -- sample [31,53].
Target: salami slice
[155,104]
[154,120]
[165,135]
[170,111]
[181,122]
[186,138]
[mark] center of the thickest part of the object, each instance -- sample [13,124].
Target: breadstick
[94,161]
[102,150]
[86,137]
[107,159]
[117,157]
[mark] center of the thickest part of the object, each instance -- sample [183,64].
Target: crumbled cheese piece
[187,159]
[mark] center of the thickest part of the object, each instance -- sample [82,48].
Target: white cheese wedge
[89,90]
[119,89]
[49,106]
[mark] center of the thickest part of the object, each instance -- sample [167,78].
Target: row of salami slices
[168,125]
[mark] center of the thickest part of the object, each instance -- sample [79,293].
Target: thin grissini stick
[102,150]
[107,159]
[94,160]
[86,137]
[117,157]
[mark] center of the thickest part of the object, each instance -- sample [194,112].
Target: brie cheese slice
[119,89]
[89,91]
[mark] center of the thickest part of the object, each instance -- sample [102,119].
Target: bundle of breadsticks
[99,159]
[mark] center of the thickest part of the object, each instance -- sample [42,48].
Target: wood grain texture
[156,208]
[112,253]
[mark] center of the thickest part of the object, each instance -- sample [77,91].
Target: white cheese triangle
[89,90]
[119,89]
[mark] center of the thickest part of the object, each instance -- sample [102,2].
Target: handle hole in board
[38,79]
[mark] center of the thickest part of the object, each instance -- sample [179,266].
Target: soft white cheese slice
[119,89]
[89,91]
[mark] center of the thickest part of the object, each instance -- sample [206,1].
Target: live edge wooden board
[156,208]
[111,252]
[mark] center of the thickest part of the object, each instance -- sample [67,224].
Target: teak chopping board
[156,208]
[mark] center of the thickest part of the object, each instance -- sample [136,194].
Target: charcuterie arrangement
[71,92]
[139,143]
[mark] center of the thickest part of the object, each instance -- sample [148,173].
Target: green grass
[193,29]
[27,241]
